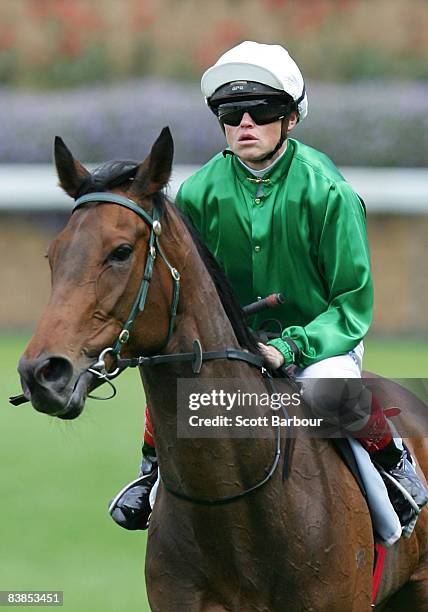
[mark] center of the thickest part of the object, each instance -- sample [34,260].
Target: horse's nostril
[51,371]
[55,372]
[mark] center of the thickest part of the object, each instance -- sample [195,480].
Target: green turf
[397,358]
[56,479]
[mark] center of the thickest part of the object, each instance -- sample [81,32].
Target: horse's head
[97,264]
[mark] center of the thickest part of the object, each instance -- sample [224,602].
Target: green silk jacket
[300,231]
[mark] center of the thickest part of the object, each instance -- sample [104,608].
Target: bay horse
[296,546]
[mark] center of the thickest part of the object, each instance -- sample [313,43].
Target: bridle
[153,249]
[197,357]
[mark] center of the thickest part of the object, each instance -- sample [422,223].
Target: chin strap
[269,155]
[277,147]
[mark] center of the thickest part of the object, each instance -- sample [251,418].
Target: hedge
[361,124]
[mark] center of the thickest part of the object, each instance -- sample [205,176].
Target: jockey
[279,216]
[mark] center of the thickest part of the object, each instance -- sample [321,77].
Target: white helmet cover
[252,61]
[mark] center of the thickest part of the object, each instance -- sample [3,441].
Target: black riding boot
[406,491]
[130,508]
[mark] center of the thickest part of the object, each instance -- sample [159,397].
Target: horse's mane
[225,292]
[120,172]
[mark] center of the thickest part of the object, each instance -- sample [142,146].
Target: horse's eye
[121,253]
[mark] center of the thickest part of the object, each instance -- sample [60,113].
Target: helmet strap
[276,148]
[269,155]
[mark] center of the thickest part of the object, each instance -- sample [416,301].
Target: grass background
[57,477]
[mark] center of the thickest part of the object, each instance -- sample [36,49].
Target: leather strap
[197,357]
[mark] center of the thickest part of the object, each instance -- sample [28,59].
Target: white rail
[34,187]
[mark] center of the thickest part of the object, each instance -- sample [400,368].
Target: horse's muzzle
[47,382]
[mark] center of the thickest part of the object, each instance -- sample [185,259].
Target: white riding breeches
[341,366]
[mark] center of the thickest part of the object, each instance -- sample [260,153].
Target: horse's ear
[155,171]
[70,171]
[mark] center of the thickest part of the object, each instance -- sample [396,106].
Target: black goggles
[261,112]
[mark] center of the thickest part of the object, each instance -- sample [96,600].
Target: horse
[132,283]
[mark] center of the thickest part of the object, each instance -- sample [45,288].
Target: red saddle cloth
[380,553]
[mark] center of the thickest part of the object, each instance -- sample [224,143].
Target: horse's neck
[201,316]
[200,312]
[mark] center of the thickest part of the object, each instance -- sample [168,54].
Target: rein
[221,501]
[197,357]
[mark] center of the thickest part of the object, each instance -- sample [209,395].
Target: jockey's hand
[274,359]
